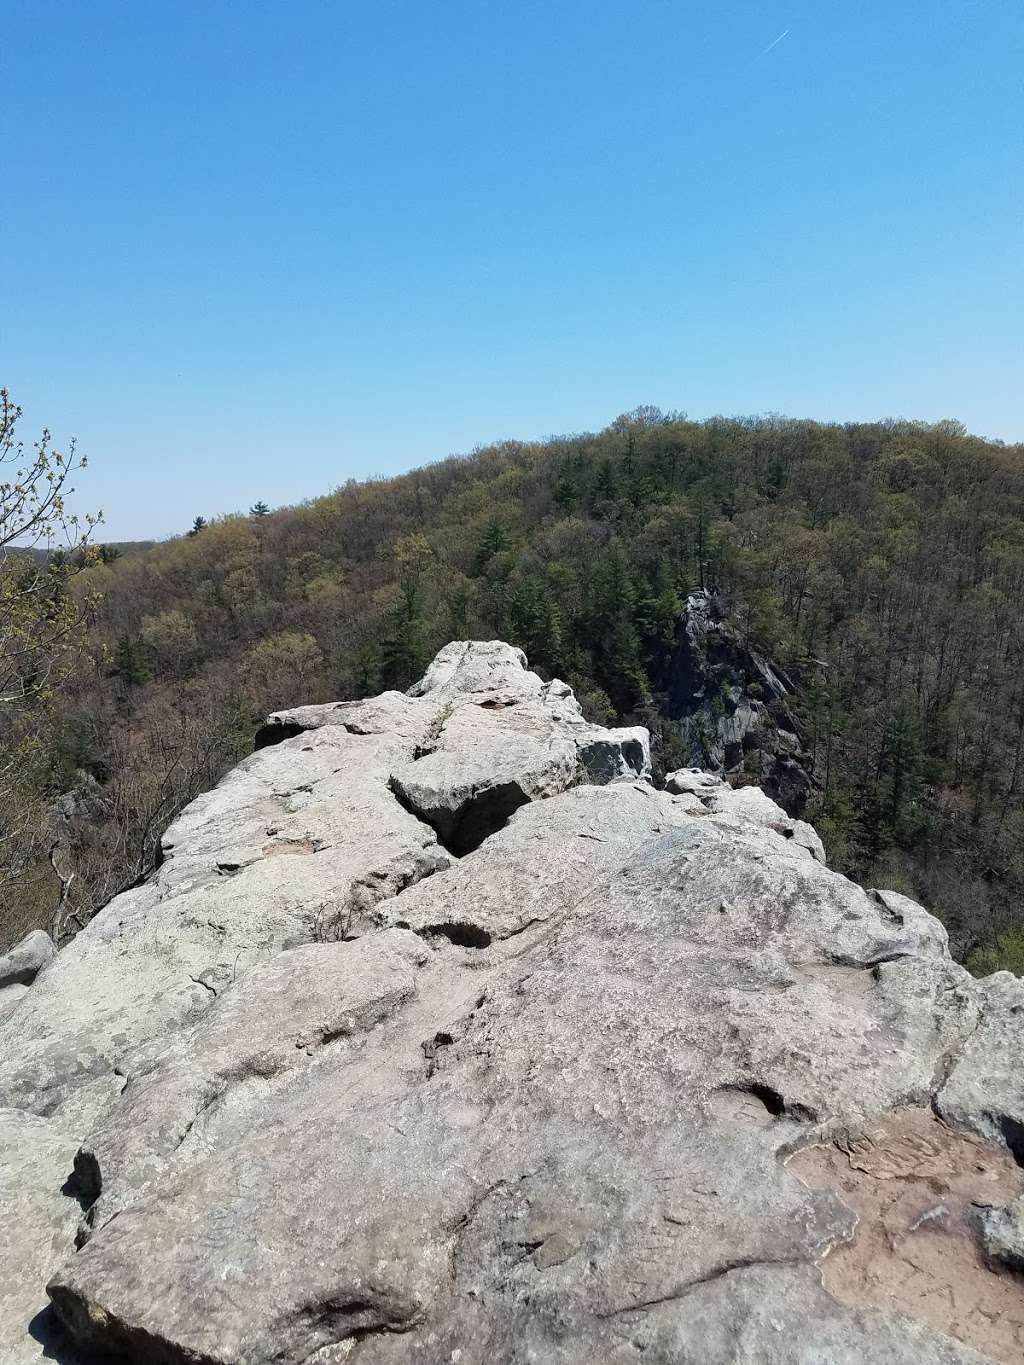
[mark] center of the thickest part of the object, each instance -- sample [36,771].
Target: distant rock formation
[732,707]
[441,1035]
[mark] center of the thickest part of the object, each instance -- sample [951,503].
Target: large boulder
[620,1073]
[23,963]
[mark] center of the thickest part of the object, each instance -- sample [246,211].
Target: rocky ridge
[441,1035]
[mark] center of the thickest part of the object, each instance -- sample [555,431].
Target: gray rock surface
[1003,1233]
[749,805]
[694,782]
[990,1064]
[503,739]
[9,998]
[908,914]
[530,1097]
[23,963]
[37,1229]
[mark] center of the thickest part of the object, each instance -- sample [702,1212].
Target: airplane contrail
[776,42]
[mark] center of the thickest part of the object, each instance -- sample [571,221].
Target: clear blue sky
[252,249]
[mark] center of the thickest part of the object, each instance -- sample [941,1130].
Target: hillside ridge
[878,567]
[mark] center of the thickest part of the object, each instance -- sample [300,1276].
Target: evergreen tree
[459,602]
[366,668]
[494,540]
[618,657]
[198,525]
[131,661]
[534,622]
[604,490]
[259,510]
[404,654]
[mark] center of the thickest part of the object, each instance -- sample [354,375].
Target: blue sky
[253,249]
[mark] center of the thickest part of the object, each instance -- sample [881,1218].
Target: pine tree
[493,540]
[534,622]
[604,489]
[131,661]
[366,668]
[198,525]
[618,658]
[403,648]
[259,509]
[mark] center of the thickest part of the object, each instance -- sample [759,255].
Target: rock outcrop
[441,1035]
[731,706]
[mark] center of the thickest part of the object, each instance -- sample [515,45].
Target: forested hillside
[881,565]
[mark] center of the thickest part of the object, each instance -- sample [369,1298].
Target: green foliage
[533,620]
[79,748]
[404,653]
[1005,955]
[130,663]
[494,540]
[287,664]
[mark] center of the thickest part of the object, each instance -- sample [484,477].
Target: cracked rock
[504,739]
[545,1094]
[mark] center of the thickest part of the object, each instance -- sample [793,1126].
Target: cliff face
[441,1035]
[732,706]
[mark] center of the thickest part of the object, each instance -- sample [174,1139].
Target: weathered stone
[503,739]
[9,998]
[694,781]
[535,1102]
[751,806]
[478,773]
[1003,1233]
[616,755]
[37,1230]
[984,1090]
[279,1015]
[479,666]
[908,914]
[916,1186]
[21,965]
[294,843]
[546,859]
[534,1177]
